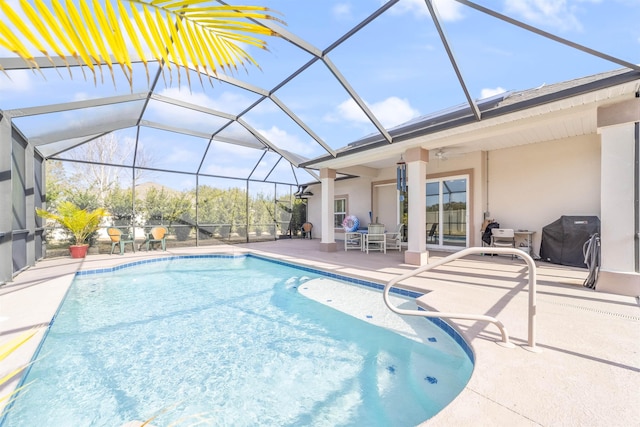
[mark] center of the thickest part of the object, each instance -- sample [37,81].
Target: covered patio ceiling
[339,79]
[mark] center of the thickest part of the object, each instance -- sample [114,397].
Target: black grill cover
[563,239]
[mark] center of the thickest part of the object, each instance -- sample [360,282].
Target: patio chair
[503,238]
[118,238]
[306,230]
[157,234]
[353,240]
[433,236]
[375,239]
[394,238]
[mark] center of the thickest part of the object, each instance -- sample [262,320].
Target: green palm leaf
[185,33]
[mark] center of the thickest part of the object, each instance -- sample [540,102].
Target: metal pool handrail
[470,251]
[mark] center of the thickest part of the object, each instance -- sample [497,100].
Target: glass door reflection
[446,205]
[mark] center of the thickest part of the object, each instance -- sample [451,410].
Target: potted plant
[81,223]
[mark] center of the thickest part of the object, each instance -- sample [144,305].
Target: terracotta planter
[78,251]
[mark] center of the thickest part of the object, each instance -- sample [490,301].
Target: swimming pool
[230,339]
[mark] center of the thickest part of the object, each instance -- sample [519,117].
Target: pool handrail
[531,341]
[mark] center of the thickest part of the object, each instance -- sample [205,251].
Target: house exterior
[523,159]
[566,149]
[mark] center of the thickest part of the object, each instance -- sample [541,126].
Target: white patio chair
[394,238]
[503,238]
[375,239]
[352,240]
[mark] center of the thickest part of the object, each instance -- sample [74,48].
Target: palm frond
[13,344]
[185,33]
[6,349]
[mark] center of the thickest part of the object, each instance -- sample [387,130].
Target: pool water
[229,341]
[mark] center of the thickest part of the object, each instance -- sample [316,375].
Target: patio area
[586,374]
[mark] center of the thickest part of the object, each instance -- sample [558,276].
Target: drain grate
[596,310]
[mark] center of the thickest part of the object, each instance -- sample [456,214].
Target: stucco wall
[385,205]
[358,192]
[531,186]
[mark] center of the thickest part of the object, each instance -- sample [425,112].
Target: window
[339,211]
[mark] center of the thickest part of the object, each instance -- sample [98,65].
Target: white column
[417,159]
[327,181]
[619,194]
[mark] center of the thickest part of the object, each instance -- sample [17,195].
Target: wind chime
[401,175]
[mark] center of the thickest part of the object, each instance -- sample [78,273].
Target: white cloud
[20,81]
[488,92]
[81,96]
[184,94]
[391,112]
[180,155]
[341,11]
[394,111]
[349,111]
[448,10]
[559,14]
[281,139]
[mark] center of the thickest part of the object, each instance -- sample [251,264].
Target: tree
[100,153]
[237,210]
[170,208]
[119,203]
[260,214]
[83,198]
[180,215]
[155,206]
[56,183]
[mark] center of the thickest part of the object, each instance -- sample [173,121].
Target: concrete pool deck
[587,374]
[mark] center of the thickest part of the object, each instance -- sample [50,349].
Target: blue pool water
[229,340]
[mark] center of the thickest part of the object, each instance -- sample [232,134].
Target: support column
[29,174]
[327,181]
[619,198]
[417,159]
[6,201]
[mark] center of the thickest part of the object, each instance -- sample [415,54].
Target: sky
[397,64]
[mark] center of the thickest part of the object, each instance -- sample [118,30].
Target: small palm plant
[81,223]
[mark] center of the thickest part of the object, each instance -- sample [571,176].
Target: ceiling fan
[441,155]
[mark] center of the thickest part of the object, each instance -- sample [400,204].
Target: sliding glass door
[447,213]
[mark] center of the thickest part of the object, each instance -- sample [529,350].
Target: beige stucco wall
[531,186]
[385,204]
[358,193]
